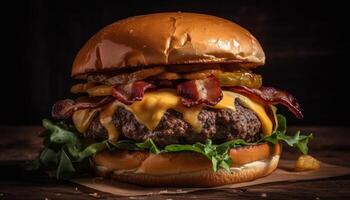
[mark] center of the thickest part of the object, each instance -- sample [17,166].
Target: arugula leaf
[217,154]
[282,123]
[65,169]
[131,145]
[302,144]
[198,147]
[64,148]
[208,150]
[232,144]
[60,135]
[149,144]
[91,150]
[125,144]
[298,141]
[48,157]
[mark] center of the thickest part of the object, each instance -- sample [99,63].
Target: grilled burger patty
[218,124]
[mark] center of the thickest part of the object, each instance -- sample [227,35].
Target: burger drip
[106,117]
[83,118]
[150,110]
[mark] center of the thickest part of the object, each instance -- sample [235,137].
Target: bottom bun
[186,169]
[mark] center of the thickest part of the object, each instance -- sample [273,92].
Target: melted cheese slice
[82,119]
[150,110]
[152,107]
[106,117]
[228,102]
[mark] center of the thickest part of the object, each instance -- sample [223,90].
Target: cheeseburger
[169,99]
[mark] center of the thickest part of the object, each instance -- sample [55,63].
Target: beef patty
[217,124]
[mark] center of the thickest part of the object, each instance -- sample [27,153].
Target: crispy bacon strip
[269,95]
[194,92]
[63,109]
[131,92]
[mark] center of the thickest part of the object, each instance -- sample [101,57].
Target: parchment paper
[283,173]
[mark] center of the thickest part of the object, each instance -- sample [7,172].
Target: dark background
[305,43]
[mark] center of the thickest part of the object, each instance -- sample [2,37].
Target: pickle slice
[234,78]
[240,78]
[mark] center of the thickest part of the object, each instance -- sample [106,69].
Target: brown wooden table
[19,144]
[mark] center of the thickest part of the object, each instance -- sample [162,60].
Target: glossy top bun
[165,39]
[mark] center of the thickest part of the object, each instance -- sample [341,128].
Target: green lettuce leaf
[63,148]
[217,154]
[48,157]
[65,168]
[209,150]
[125,144]
[298,141]
[149,144]
[91,150]
[131,145]
[281,123]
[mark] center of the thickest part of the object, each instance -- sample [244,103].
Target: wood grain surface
[20,144]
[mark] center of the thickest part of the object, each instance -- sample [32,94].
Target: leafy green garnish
[281,123]
[131,145]
[149,144]
[125,144]
[217,154]
[48,157]
[65,168]
[63,148]
[298,141]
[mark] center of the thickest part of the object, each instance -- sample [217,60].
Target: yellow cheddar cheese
[154,104]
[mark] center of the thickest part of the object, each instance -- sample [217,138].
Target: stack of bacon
[129,87]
